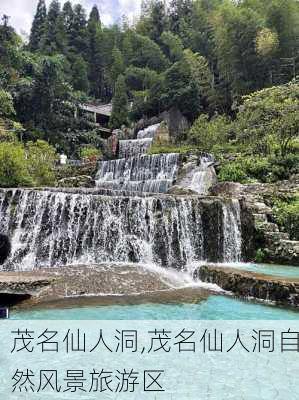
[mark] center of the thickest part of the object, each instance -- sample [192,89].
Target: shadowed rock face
[5,248]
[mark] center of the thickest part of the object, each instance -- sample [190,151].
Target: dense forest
[228,66]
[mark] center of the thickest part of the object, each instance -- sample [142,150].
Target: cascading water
[155,173]
[204,176]
[49,228]
[135,147]
[232,238]
[122,220]
[132,148]
[148,132]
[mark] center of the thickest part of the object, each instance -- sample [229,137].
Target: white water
[148,132]
[204,176]
[232,237]
[155,173]
[54,229]
[133,148]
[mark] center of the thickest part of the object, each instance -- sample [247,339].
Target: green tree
[140,79]
[68,18]
[78,31]
[41,159]
[95,53]
[53,40]
[180,18]
[173,46]
[119,115]
[270,118]
[143,52]
[51,92]
[157,20]
[80,74]
[118,65]
[202,77]
[38,26]
[236,30]
[13,167]
[206,133]
[282,17]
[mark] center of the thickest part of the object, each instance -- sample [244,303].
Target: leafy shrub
[90,153]
[207,133]
[41,159]
[13,166]
[233,172]
[287,216]
[260,256]
[283,168]
[257,168]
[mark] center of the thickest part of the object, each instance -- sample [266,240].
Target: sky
[21,12]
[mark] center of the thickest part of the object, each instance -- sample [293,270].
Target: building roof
[102,109]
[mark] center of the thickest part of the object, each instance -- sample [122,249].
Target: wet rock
[249,284]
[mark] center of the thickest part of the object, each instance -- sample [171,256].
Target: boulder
[230,189]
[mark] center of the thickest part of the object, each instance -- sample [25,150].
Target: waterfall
[148,132]
[132,148]
[50,228]
[204,176]
[232,238]
[155,173]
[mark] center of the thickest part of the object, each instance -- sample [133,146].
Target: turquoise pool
[283,271]
[214,308]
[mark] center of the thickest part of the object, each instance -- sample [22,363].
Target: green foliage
[206,133]
[233,172]
[270,117]
[80,74]
[167,149]
[118,66]
[139,79]
[195,55]
[38,26]
[6,104]
[235,31]
[287,216]
[13,167]
[144,52]
[90,153]
[173,46]
[260,256]
[181,91]
[95,50]
[40,160]
[119,114]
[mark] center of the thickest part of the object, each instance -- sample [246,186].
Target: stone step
[276,237]
[261,208]
[268,227]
